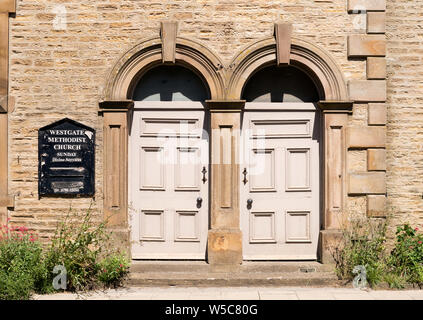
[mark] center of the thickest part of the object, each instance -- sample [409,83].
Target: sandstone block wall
[61,53]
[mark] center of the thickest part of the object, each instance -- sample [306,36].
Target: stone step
[219,279]
[195,273]
[247,266]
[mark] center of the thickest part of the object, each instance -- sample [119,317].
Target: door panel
[168,195]
[279,197]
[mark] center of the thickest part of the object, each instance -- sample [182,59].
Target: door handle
[199,202]
[245,175]
[204,171]
[249,203]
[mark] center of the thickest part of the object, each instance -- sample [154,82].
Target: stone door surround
[225,83]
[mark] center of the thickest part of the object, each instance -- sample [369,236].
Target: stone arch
[318,64]
[148,54]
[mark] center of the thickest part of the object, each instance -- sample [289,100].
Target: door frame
[225,82]
[169,106]
[296,107]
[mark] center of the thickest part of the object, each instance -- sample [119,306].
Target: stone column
[116,119]
[6,200]
[224,246]
[335,121]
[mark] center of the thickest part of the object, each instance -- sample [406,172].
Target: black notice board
[66,150]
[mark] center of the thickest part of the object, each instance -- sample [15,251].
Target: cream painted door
[279,197]
[168,174]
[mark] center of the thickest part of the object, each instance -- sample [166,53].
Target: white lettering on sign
[67,147]
[67,140]
[58,132]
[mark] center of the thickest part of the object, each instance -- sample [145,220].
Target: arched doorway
[168,165]
[225,86]
[280,189]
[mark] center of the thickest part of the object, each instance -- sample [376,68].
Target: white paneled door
[279,195]
[169,179]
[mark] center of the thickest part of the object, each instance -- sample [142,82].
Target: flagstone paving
[237,293]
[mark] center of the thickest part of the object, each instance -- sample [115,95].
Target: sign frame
[66,159]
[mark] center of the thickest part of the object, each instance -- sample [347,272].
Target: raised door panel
[167,152]
[152,168]
[282,153]
[262,171]
[297,172]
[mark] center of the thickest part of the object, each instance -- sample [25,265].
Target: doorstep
[200,273]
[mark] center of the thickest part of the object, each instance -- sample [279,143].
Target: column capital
[116,105]
[225,105]
[335,106]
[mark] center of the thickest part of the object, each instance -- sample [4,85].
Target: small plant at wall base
[80,245]
[22,268]
[83,247]
[363,243]
[406,259]
[113,269]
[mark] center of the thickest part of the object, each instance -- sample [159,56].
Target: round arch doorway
[168,165]
[279,192]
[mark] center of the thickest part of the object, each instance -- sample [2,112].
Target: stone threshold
[200,273]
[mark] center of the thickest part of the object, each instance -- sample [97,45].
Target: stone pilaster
[224,246]
[116,117]
[335,121]
[6,200]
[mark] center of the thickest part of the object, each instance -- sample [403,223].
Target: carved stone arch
[335,106]
[116,109]
[314,61]
[148,54]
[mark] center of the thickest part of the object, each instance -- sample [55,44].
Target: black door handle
[204,171]
[245,175]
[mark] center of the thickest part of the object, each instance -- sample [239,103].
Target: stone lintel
[283,34]
[367,90]
[224,247]
[366,137]
[366,183]
[366,45]
[356,6]
[168,33]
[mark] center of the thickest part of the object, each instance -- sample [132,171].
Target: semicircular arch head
[134,63]
[312,60]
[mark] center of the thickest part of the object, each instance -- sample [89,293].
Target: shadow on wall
[283,84]
[170,83]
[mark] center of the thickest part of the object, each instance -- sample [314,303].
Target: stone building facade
[82,59]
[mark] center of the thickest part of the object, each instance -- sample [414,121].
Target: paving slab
[237,293]
[278,296]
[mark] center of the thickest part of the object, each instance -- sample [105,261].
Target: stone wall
[59,70]
[405,111]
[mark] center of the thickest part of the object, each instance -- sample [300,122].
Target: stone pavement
[238,293]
